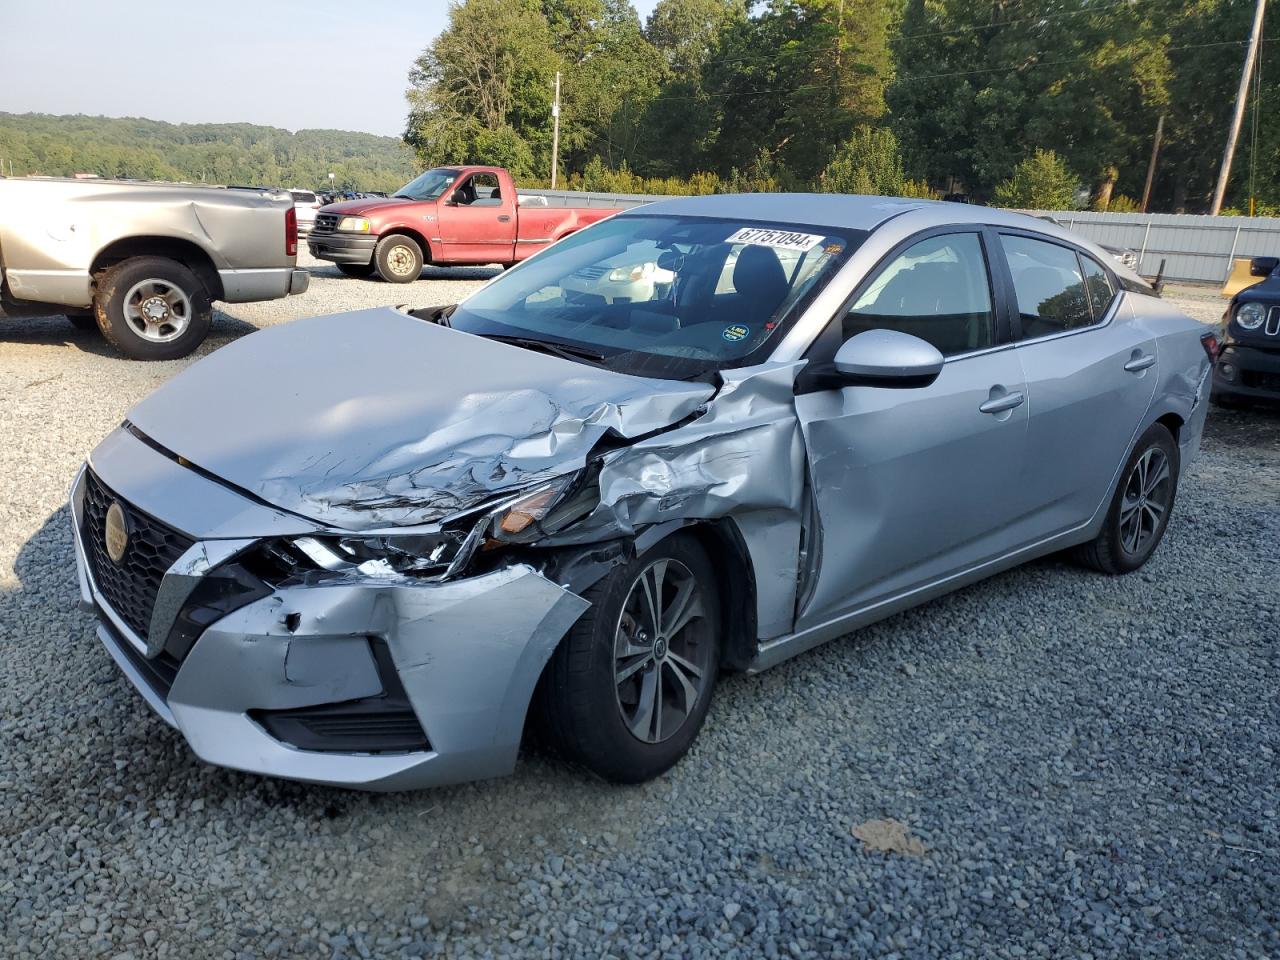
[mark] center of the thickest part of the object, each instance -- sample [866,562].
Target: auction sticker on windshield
[781,239]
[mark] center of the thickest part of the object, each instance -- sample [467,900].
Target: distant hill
[241,153]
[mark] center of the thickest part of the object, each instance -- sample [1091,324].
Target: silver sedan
[368,549]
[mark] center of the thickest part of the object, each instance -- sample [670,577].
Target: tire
[361,271]
[152,308]
[594,720]
[1145,487]
[83,320]
[398,259]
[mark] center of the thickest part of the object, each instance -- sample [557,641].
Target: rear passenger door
[1091,369]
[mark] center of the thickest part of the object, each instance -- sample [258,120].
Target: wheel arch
[402,230]
[190,255]
[726,547]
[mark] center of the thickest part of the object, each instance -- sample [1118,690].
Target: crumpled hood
[362,208]
[375,418]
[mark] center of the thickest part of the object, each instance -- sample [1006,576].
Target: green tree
[1040,182]
[490,70]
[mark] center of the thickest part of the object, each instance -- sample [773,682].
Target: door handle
[1001,404]
[1140,363]
[504,219]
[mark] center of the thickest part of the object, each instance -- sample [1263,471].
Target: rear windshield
[662,295]
[303,196]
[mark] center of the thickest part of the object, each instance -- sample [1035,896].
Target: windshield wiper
[564,351]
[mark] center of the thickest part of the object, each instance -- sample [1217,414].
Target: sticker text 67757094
[782,239]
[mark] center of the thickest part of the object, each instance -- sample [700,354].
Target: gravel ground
[1073,765]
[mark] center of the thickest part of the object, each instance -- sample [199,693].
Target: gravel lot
[1089,764]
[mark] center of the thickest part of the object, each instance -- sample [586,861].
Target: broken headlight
[525,519]
[410,554]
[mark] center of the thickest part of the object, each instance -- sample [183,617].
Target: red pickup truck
[448,215]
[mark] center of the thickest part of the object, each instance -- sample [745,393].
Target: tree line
[1017,101]
[224,153]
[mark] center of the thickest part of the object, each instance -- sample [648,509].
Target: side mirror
[1263,266]
[887,358]
[449,201]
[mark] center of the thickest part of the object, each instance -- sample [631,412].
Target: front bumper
[466,654]
[1247,372]
[342,248]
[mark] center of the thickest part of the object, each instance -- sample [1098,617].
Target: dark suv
[1248,365]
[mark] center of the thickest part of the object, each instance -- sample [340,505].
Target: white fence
[1192,247]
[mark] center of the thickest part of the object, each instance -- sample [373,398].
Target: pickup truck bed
[144,259]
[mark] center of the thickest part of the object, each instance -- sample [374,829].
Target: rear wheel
[398,258]
[1140,509]
[628,689]
[361,271]
[152,308]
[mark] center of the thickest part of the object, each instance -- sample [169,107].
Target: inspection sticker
[782,239]
[735,331]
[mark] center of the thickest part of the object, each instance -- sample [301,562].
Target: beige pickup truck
[143,262]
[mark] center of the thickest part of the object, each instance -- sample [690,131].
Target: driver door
[912,484]
[477,223]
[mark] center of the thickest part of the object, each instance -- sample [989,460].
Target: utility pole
[555,131]
[1224,174]
[1151,167]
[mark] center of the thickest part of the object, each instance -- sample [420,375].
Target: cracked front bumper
[466,654]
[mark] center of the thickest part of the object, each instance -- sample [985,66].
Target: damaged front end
[381,619]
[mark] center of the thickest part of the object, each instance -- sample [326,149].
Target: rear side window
[303,196]
[1048,285]
[1098,285]
[937,290]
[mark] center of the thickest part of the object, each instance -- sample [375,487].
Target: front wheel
[152,308]
[1140,508]
[398,258]
[628,689]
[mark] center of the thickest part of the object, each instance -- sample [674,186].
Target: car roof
[829,209]
[851,211]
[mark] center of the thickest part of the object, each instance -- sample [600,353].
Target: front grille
[591,273]
[325,223]
[1272,327]
[129,587]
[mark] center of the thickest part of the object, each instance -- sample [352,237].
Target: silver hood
[375,418]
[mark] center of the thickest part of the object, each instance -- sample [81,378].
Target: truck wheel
[399,259]
[361,271]
[152,308]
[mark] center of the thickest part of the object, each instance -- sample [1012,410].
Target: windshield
[429,185]
[663,296]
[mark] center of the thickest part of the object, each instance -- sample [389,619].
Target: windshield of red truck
[664,295]
[429,185]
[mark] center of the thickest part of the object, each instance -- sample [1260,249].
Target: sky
[337,64]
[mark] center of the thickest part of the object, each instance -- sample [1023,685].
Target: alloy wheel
[156,310]
[663,647]
[1146,500]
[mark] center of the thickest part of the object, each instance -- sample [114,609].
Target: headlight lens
[631,274]
[354,224]
[1250,315]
